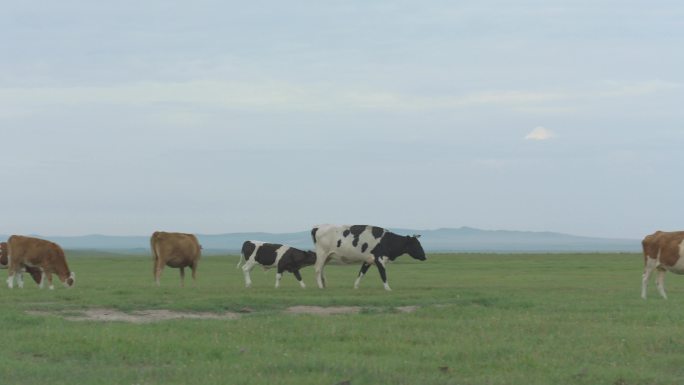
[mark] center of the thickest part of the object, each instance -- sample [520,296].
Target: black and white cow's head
[414,248]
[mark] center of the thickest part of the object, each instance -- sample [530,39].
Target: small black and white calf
[270,255]
[361,244]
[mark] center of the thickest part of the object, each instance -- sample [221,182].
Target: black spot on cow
[247,249]
[356,231]
[266,254]
[364,247]
[345,233]
[377,232]
[313,234]
[339,242]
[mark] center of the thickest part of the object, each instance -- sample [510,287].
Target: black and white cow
[360,243]
[269,255]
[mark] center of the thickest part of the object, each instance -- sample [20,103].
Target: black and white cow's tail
[241,260]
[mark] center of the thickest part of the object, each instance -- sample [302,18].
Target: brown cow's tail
[4,255]
[154,253]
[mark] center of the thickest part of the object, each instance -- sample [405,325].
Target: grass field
[481,319]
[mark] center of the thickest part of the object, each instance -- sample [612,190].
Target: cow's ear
[416,236]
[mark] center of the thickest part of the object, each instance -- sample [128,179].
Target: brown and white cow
[663,251]
[36,256]
[176,250]
[4,261]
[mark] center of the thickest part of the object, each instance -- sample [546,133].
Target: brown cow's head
[71,280]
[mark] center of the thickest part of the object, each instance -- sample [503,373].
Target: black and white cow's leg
[362,272]
[318,267]
[182,276]
[380,263]
[246,268]
[279,276]
[299,278]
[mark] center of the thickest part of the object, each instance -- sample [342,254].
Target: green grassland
[482,319]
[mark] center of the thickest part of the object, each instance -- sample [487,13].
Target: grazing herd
[359,244]
[368,245]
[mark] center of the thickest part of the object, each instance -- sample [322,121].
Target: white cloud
[288,96]
[540,133]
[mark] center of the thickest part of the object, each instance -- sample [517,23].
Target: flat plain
[454,319]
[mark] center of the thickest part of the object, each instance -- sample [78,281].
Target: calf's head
[414,248]
[310,258]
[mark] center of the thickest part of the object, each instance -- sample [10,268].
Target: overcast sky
[128,117]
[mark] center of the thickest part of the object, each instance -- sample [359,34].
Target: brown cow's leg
[194,272]
[182,275]
[48,275]
[12,268]
[649,265]
[157,270]
[660,282]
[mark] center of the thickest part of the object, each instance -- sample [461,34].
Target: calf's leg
[299,278]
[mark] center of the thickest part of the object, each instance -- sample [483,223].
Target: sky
[127,117]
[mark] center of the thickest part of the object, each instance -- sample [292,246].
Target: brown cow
[177,250]
[4,253]
[33,253]
[663,251]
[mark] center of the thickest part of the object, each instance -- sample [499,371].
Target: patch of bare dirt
[320,310]
[149,316]
[138,317]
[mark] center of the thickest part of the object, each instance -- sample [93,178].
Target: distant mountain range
[464,239]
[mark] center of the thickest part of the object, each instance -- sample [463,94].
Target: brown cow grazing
[4,261]
[26,253]
[177,250]
[663,251]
